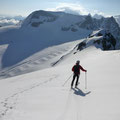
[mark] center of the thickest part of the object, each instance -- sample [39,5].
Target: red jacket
[79,67]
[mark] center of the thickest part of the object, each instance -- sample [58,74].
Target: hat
[77,62]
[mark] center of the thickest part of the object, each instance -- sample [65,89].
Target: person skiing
[76,69]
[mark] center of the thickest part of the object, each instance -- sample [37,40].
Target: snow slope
[40,60]
[41,95]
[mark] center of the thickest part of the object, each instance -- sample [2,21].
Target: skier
[76,69]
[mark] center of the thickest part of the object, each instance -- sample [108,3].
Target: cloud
[5,21]
[70,8]
[76,8]
[100,13]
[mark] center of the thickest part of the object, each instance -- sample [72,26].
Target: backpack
[76,69]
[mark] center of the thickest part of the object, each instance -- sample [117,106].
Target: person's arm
[83,69]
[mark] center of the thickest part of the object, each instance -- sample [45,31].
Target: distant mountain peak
[97,16]
[39,13]
[117,18]
[39,17]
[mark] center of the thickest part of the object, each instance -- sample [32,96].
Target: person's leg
[77,80]
[73,80]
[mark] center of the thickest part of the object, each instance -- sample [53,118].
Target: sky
[25,7]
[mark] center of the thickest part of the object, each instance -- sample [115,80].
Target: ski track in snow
[71,110]
[9,103]
[74,104]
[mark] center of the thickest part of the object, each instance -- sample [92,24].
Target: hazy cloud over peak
[70,8]
[77,9]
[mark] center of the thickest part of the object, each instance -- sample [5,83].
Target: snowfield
[41,95]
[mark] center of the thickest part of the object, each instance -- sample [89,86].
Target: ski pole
[67,80]
[85,80]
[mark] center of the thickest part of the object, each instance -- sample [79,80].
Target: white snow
[43,58]
[41,95]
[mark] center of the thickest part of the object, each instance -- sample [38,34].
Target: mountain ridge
[83,21]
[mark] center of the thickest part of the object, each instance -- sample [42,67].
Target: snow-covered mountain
[28,39]
[97,16]
[24,48]
[74,22]
[100,39]
[117,17]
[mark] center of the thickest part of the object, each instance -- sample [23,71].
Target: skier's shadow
[78,91]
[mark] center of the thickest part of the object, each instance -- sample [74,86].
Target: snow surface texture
[41,95]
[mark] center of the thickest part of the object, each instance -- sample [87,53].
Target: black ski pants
[75,76]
